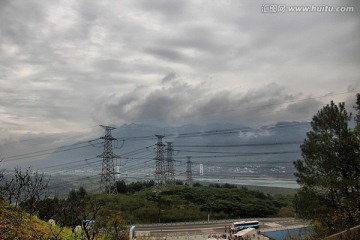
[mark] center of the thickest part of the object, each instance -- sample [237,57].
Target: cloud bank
[67,66]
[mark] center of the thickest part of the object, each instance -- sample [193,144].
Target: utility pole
[189,171]
[159,159]
[170,173]
[107,183]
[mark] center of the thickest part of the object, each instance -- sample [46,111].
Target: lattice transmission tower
[170,173]
[107,183]
[159,160]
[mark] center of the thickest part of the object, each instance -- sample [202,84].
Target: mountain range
[225,151]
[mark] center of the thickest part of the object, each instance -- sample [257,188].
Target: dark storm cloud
[161,105]
[169,77]
[20,29]
[89,11]
[306,107]
[167,9]
[167,54]
[178,103]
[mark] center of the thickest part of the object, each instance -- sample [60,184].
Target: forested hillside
[139,202]
[144,204]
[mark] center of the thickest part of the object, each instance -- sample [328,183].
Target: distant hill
[227,151]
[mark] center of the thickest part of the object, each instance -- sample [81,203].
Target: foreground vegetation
[139,202]
[329,173]
[177,203]
[17,224]
[329,176]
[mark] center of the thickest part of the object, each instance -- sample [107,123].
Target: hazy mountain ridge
[228,152]
[259,144]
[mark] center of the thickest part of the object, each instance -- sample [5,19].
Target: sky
[67,66]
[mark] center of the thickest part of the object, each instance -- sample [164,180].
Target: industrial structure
[107,183]
[159,161]
[169,170]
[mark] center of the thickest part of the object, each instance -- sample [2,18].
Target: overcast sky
[67,66]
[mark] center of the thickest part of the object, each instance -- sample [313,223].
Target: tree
[329,173]
[36,186]
[3,183]
[2,177]
[112,225]
[357,117]
[120,186]
[74,210]
[26,186]
[50,208]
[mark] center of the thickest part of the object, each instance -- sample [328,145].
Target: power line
[137,151]
[41,137]
[225,163]
[262,106]
[330,94]
[242,154]
[223,131]
[184,135]
[48,151]
[240,145]
[138,138]
[51,186]
[67,164]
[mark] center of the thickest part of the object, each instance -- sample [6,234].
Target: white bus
[237,226]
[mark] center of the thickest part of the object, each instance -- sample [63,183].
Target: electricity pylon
[170,173]
[107,183]
[159,159]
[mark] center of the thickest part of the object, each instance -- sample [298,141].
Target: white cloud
[74,64]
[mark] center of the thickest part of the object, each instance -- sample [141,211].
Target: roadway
[213,227]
